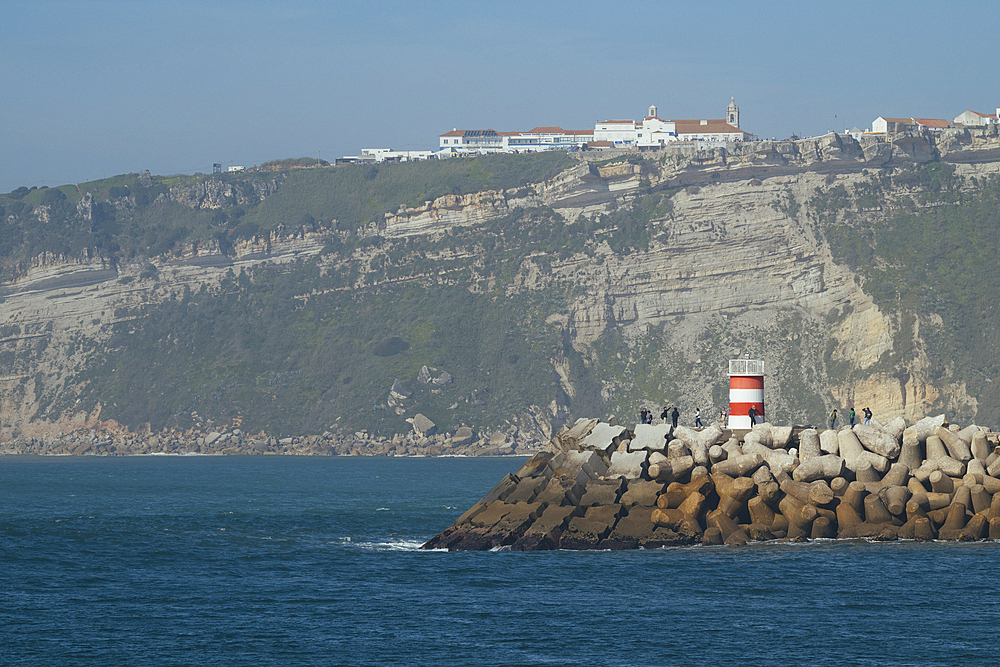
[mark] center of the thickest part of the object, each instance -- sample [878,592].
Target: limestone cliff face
[734,263]
[217,193]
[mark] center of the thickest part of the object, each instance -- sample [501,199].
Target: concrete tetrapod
[877,440]
[809,445]
[957,448]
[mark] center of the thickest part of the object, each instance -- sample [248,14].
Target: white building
[491,141]
[654,132]
[974,118]
[886,125]
[649,133]
[389,155]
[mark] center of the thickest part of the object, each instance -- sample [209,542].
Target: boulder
[422,426]
[463,436]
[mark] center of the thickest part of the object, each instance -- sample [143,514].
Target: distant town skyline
[96,88]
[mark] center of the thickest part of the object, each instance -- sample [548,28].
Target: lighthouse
[746,390]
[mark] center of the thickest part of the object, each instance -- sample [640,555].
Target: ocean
[314,561]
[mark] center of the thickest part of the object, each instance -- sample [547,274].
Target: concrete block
[602,492]
[877,440]
[527,490]
[568,437]
[631,465]
[581,466]
[809,445]
[827,466]
[536,465]
[642,493]
[586,532]
[829,442]
[603,438]
[545,531]
[561,491]
[650,436]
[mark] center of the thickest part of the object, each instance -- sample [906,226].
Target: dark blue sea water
[314,561]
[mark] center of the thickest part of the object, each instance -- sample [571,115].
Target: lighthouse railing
[746,366]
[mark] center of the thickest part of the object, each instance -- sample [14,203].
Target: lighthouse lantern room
[746,391]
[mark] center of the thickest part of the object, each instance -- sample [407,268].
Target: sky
[94,88]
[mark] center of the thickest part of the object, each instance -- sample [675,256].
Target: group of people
[851,417]
[669,413]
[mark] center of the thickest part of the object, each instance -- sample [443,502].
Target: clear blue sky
[95,88]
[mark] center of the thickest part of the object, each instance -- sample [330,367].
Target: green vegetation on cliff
[935,251]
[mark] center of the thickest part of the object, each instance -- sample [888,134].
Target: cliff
[621,282]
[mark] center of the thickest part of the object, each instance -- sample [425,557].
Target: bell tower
[652,111]
[733,113]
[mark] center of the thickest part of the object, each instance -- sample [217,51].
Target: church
[654,132]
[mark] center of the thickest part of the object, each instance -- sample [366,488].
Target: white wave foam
[392,545]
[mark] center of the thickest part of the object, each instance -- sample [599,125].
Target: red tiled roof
[711,127]
[580,132]
[599,144]
[546,130]
[932,122]
[698,120]
[454,133]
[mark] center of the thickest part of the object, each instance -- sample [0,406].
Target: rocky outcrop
[885,482]
[95,438]
[219,193]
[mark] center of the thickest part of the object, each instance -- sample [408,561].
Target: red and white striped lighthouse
[746,390]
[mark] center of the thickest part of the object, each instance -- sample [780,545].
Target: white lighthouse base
[739,422]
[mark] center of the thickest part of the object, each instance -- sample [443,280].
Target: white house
[616,132]
[389,155]
[884,125]
[974,118]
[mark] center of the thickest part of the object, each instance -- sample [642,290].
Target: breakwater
[598,485]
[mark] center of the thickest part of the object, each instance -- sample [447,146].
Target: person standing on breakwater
[674,416]
[722,418]
[752,414]
[850,416]
[665,415]
[697,419]
[833,417]
[868,416]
